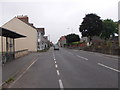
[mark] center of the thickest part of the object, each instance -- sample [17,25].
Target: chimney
[23,18]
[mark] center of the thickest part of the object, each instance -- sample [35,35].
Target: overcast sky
[58,17]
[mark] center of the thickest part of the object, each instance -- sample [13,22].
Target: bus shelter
[8,44]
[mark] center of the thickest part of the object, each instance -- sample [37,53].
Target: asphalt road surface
[66,68]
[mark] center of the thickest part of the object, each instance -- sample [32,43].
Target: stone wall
[21,53]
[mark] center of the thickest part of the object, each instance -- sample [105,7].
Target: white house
[42,41]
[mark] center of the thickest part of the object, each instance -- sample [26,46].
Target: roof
[25,19]
[41,30]
[9,33]
[62,38]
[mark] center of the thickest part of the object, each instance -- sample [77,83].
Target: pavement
[64,68]
[12,68]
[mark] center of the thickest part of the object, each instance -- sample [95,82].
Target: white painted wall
[43,43]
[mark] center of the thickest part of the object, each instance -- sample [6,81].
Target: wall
[29,42]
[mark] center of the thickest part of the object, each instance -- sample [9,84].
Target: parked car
[56,47]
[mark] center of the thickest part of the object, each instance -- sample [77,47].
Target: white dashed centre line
[61,84]
[82,57]
[108,67]
[55,62]
[56,65]
[58,73]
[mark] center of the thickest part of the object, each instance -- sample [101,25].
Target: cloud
[58,15]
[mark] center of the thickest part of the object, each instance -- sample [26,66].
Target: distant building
[84,39]
[62,41]
[21,25]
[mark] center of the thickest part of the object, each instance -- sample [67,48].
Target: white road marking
[1,85]
[61,84]
[54,56]
[82,57]
[55,62]
[58,73]
[23,73]
[108,67]
[56,65]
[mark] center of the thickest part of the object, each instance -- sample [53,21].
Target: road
[69,68]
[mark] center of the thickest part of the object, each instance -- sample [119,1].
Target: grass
[9,80]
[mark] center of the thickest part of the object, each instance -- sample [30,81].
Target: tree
[72,38]
[91,26]
[109,28]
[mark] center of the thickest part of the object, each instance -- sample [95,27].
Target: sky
[58,17]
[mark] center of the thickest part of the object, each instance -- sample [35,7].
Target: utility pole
[119,31]
[49,37]
[49,40]
[119,21]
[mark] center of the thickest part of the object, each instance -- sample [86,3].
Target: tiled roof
[62,38]
[25,19]
[9,33]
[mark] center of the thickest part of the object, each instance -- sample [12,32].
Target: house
[21,25]
[62,41]
[7,44]
[42,41]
